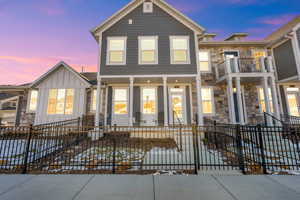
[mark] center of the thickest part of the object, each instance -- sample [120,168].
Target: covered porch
[146,100]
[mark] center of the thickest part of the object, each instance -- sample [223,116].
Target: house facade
[158,67]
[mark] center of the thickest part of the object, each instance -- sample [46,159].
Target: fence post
[240,148]
[114,155]
[262,149]
[195,145]
[24,171]
[215,134]
[180,135]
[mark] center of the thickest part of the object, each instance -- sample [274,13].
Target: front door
[292,101]
[177,106]
[149,106]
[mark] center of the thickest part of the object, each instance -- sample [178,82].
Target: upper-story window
[116,51]
[180,53]
[33,100]
[148,50]
[60,102]
[204,61]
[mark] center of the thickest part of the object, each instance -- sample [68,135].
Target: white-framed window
[148,50]
[94,100]
[180,49]
[33,99]
[148,7]
[120,101]
[257,54]
[60,102]
[204,61]
[261,98]
[149,100]
[292,98]
[207,94]
[116,50]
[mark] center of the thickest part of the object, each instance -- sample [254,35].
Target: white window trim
[113,101]
[107,50]
[188,50]
[156,50]
[286,97]
[64,102]
[212,100]
[92,98]
[230,50]
[142,100]
[209,62]
[28,101]
[259,97]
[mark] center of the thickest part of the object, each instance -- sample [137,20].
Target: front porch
[146,100]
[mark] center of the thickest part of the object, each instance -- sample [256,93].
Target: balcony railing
[244,65]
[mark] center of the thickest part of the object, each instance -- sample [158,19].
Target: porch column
[239,99]
[166,116]
[199,101]
[275,98]
[231,100]
[98,102]
[266,97]
[131,102]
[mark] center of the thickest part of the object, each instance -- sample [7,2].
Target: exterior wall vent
[148,7]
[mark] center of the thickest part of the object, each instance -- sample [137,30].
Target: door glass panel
[120,101]
[293,105]
[177,102]
[149,101]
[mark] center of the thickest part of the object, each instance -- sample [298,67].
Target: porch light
[148,81]
[176,81]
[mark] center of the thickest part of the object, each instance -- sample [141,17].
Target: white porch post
[98,102]
[266,97]
[275,98]
[199,101]
[131,79]
[231,100]
[166,118]
[239,98]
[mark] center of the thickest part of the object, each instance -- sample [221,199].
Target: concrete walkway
[130,187]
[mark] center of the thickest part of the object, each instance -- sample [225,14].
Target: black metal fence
[141,150]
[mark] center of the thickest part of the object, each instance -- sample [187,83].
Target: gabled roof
[285,29]
[90,76]
[134,4]
[56,67]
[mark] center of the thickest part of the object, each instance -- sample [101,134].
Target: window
[116,51]
[120,101]
[148,50]
[60,101]
[94,100]
[257,54]
[179,46]
[148,7]
[261,97]
[231,54]
[292,96]
[33,100]
[149,100]
[204,61]
[207,100]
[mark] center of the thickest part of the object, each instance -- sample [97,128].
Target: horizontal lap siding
[158,23]
[285,60]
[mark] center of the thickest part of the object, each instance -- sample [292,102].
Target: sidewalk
[130,187]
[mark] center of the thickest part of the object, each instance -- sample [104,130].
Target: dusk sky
[36,34]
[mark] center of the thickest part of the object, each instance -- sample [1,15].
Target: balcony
[244,67]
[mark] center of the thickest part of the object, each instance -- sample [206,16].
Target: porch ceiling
[148,80]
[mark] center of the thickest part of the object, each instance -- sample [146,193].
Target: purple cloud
[277,20]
